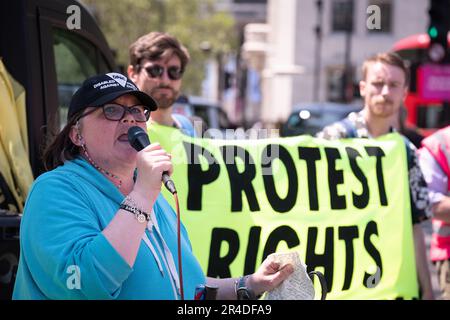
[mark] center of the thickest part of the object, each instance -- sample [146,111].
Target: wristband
[129,205]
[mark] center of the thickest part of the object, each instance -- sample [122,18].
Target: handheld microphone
[139,139]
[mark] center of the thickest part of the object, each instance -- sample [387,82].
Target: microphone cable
[180,272]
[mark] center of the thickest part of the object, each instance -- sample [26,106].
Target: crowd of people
[106,215]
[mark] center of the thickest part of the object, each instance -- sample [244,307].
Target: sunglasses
[156,71]
[116,112]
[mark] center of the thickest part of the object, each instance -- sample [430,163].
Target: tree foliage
[193,22]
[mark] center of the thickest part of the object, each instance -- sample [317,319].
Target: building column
[280,68]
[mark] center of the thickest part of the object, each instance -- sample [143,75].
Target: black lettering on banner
[360,201]
[282,233]
[335,177]
[348,233]
[326,260]
[197,178]
[252,250]
[278,204]
[311,155]
[240,182]
[372,229]
[379,153]
[220,266]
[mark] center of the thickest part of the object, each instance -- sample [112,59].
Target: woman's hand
[268,276]
[152,161]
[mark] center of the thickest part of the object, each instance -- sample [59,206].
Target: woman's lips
[123,138]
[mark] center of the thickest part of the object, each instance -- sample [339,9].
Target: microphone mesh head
[138,138]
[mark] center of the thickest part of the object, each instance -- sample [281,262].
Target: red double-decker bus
[428,100]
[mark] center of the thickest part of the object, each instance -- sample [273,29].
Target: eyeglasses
[156,71]
[116,112]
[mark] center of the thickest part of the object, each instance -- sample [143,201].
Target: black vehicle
[310,118]
[49,59]
[210,112]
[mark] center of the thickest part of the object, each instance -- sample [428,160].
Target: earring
[79,136]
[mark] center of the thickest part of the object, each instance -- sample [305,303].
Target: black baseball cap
[104,88]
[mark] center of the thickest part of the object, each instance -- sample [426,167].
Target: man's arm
[441,210]
[437,182]
[422,263]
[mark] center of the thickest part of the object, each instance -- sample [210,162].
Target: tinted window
[75,60]
[313,124]
[311,121]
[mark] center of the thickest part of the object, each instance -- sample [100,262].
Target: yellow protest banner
[343,205]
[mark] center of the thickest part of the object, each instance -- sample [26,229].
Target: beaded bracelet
[129,205]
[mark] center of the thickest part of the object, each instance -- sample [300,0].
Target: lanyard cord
[180,273]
